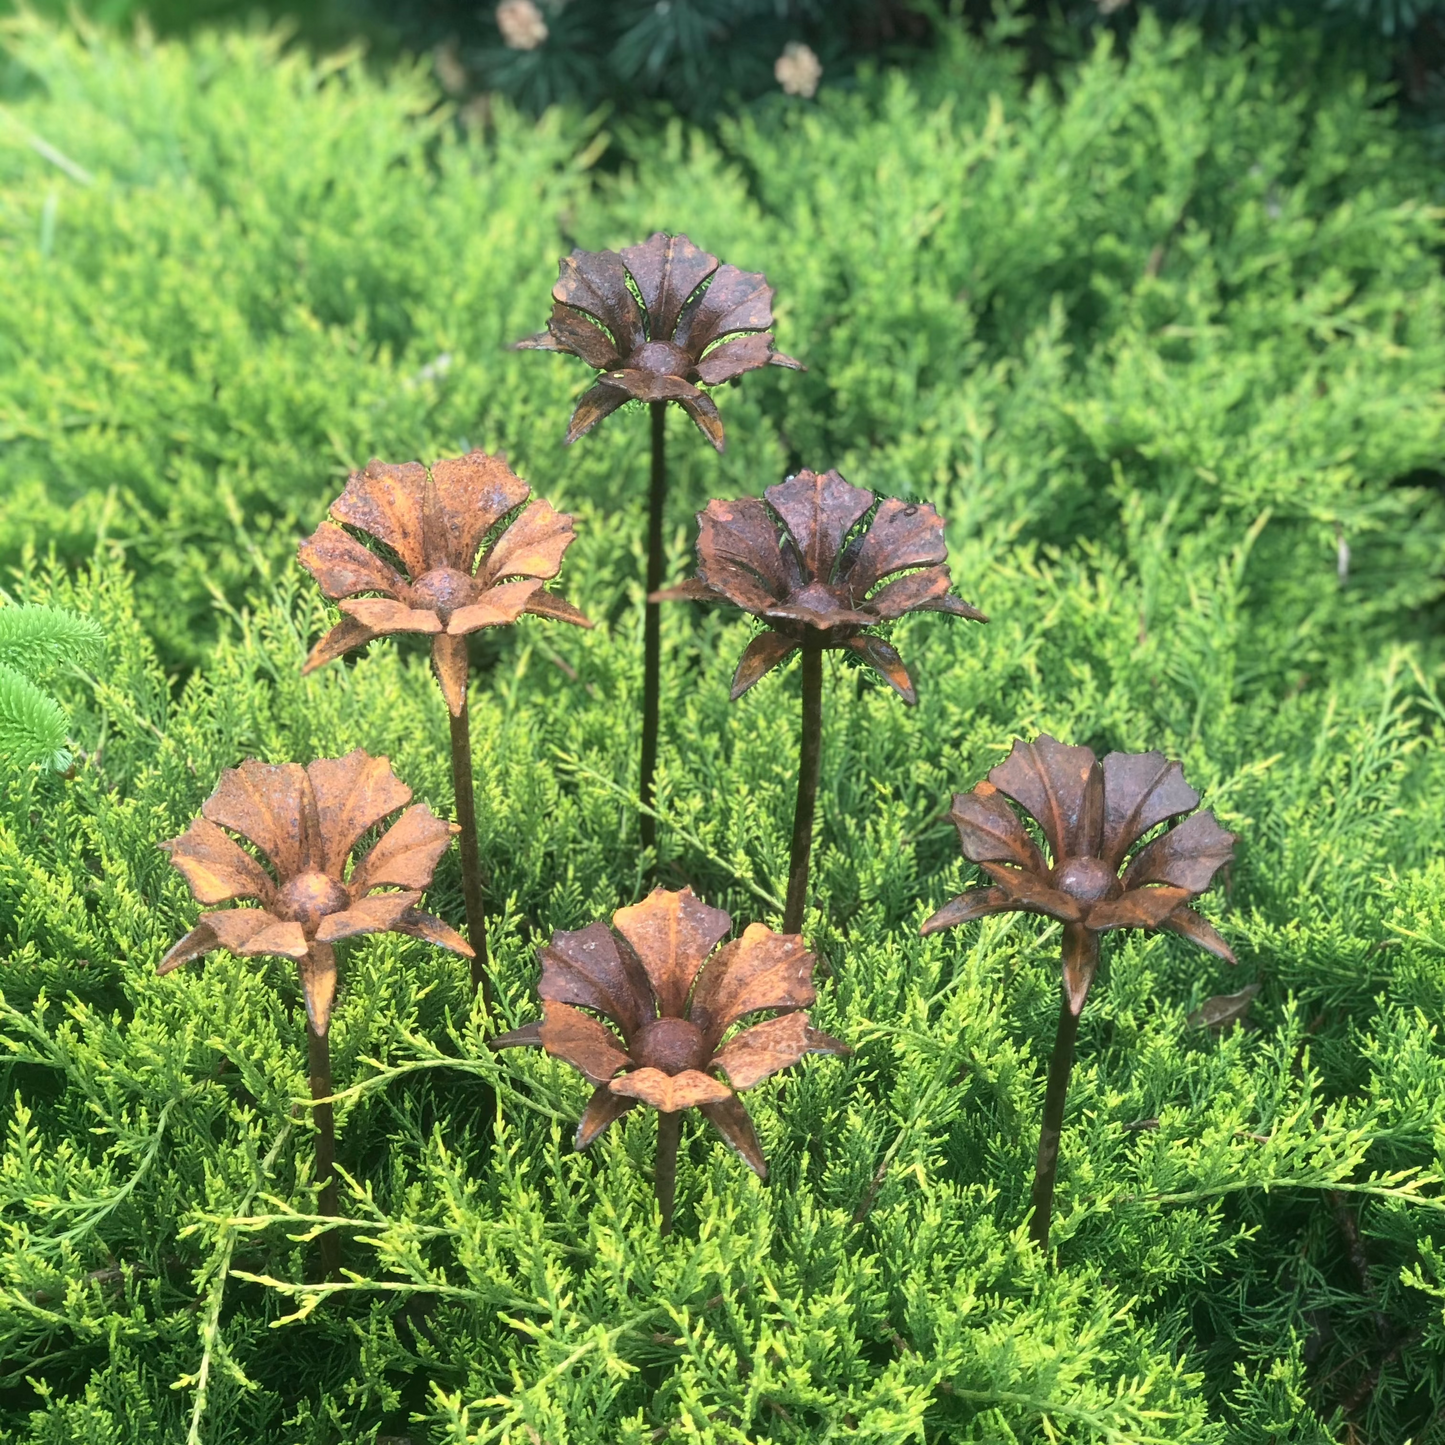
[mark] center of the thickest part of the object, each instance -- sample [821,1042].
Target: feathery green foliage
[1165,349]
[33,641]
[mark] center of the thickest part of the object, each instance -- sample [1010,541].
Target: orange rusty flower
[434,521]
[805,562]
[671,1000]
[658,320]
[305,822]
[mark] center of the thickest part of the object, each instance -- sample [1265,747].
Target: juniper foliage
[1176,388]
[33,642]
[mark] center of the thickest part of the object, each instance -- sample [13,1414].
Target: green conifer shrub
[33,642]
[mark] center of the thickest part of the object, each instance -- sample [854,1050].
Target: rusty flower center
[670,1045]
[661,357]
[1088,880]
[308,898]
[444,589]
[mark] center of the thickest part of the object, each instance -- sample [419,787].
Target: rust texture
[305,822]
[807,559]
[670,996]
[1091,814]
[659,321]
[456,571]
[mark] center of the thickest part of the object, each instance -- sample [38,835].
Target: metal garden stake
[646,317]
[807,562]
[671,1000]
[435,522]
[1091,815]
[305,822]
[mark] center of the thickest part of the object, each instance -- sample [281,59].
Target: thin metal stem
[669,1131]
[318,1049]
[471,854]
[810,757]
[651,622]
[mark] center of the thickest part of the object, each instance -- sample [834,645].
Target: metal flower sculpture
[457,572]
[1091,815]
[805,562]
[305,822]
[659,321]
[672,1000]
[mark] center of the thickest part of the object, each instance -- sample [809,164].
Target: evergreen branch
[32,725]
[34,637]
[1128,1435]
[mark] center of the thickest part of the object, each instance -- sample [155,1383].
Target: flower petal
[738,553]
[819,512]
[703,410]
[926,591]
[763,1050]
[671,1093]
[381,614]
[449,662]
[1138,908]
[734,301]
[603,1110]
[1189,924]
[760,970]
[901,534]
[731,1119]
[1140,790]
[216,867]
[346,636]
[265,803]
[467,497]
[278,939]
[527,1036]
[1188,855]
[498,606]
[386,502]
[344,567]
[353,794]
[989,829]
[1062,787]
[779,358]
[667,269]
[596,403]
[556,608]
[531,547]
[585,967]
[595,282]
[235,929]
[819,605]
[318,985]
[693,590]
[883,658]
[590,1047]
[765,652]
[970,904]
[1029,892]
[672,933]
[379,913]
[237,924]
[650,385]
[733,358]
[406,855]
[570,330]
[416,924]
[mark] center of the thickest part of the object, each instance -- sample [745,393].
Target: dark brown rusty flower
[434,522]
[671,1001]
[1091,815]
[805,562]
[305,822]
[659,321]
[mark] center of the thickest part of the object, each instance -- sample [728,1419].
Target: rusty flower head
[305,823]
[671,1001]
[656,320]
[1091,815]
[802,563]
[434,521]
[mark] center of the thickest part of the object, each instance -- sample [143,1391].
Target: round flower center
[661,357]
[308,898]
[1088,880]
[445,590]
[670,1045]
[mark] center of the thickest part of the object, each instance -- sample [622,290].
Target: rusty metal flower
[672,1000]
[1091,815]
[434,521]
[659,321]
[306,823]
[807,563]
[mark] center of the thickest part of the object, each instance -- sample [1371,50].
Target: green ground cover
[1164,344]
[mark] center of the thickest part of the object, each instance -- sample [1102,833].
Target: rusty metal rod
[669,1131]
[318,1050]
[471,854]
[651,621]
[810,757]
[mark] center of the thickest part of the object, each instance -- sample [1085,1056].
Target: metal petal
[672,933]
[352,794]
[386,502]
[734,301]
[498,606]
[379,913]
[235,929]
[1028,891]
[765,652]
[1138,908]
[603,1110]
[671,1093]
[570,330]
[651,385]
[1140,790]
[556,608]
[216,867]
[988,828]
[278,939]
[1188,924]
[703,410]
[733,358]
[468,496]
[731,1119]
[264,802]
[346,636]
[590,1047]
[527,1036]
[779,358]
[693,590]
[406,855]
[586,967]
[318,985]
[344,567]
[381,614]
[595,282]
[667,269]
[596,403]
[1188,855]
[449,660]
[972,903]
[1223,1010]
[531,547]
[883,658]
[1062,787]
[760,970]
[416,924]
[759,1052]
[738,553]
[202,939]
[926,591]
[901,534]
[819,512]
